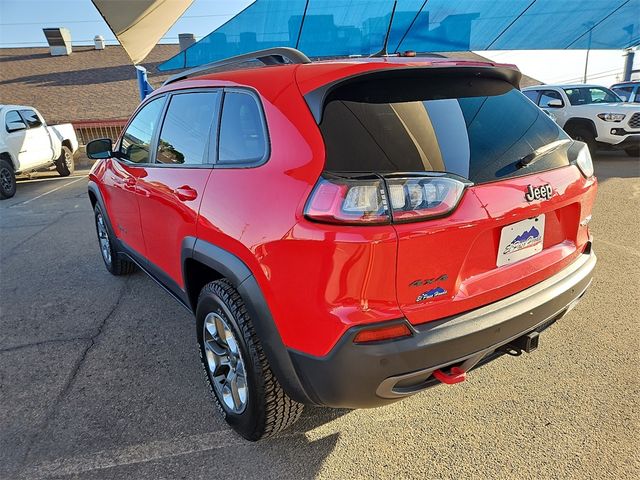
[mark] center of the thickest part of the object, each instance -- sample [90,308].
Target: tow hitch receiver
[527,343]
[455,375]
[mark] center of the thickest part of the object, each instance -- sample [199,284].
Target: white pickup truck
[28,144]
[592,114]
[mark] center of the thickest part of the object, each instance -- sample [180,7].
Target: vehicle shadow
[615,164]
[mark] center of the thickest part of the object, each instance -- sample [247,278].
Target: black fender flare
[93,189]
[240,275]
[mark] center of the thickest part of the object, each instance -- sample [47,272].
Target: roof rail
[269,56]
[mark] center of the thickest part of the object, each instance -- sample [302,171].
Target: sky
[22,21]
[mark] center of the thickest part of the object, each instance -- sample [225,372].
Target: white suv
[592,114]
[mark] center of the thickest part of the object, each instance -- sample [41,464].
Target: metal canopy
[139,25]
[329,28]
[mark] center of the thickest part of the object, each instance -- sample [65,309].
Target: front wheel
[7,180]
[583,134]
[244,387]
[65,165]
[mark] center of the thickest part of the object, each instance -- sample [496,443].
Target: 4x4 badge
[537,193]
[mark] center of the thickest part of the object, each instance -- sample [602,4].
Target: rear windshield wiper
[540,152]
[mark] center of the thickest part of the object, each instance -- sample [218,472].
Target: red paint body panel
[165,218]
[464,246]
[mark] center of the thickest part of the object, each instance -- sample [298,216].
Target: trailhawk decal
[433,293]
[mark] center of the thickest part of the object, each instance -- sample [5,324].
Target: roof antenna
[383,52]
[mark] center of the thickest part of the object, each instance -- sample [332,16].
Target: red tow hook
[455,375]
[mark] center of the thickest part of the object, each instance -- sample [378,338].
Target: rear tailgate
[449,265]
[484,189]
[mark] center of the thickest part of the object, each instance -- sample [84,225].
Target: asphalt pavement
[100,377]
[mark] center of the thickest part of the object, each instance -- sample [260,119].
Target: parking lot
[100,378]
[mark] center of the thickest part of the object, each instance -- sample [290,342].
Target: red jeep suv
[347,232]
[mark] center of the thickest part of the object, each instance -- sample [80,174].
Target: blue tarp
[330,28]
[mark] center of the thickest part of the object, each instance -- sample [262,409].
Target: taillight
[584,162]
[348,200]
[364,199]
[421,198]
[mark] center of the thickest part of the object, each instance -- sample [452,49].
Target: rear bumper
[370,375]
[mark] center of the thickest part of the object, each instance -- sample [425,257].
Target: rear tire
[7,179]
[584,134]
[237,371]
[633,152]
[65,165]
[114,261]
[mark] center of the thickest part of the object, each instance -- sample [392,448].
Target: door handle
[185,193]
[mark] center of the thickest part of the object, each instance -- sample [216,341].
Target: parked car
[628,91]
[592,114]
[347,232]
[27,144]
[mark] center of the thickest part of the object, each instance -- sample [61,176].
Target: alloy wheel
[5,179]
[68,159]
[225,363]
[103,238]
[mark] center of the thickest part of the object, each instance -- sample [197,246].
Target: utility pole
[628,65]
[589,25]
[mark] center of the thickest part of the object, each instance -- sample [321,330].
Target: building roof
[92,84]
[89,84]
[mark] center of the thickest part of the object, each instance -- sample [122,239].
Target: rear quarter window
[243,137]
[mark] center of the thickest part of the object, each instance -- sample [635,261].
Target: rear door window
[136,140]
[14,122]
[31,118]
[187,128]
[478,129]
[243,138]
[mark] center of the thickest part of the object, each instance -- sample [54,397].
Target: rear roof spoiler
[316,98]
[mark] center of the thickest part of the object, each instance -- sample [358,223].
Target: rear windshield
[477,128]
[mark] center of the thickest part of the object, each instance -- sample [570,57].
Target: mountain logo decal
[433,293]
[527,239]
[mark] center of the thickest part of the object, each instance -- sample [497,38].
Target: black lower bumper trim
[632,141]
[370,375]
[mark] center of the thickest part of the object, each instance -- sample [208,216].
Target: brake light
[364,199]
[584,162]
[378,334]
[420,198]
[348,200]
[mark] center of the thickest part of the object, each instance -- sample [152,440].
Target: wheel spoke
[221,333]
[216,349]
[211,329]
[233,386]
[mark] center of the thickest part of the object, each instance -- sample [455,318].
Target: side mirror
[15,126]
[555,103]
[99,149]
